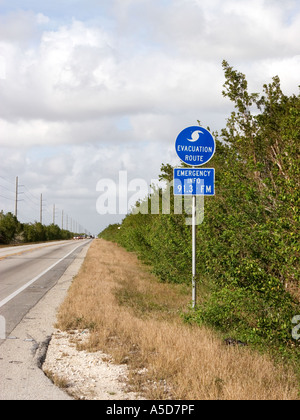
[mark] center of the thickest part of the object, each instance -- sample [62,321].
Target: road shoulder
[22,353]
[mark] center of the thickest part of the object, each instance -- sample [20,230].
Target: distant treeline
[12,231]
[248,244]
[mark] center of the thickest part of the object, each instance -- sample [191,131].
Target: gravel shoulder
[84,375]
[35,347]
[23,352]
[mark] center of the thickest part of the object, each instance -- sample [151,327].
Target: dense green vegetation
[248,244]
[12,231]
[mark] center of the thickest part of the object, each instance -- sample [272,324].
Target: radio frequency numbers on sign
[194,181]
[194,146]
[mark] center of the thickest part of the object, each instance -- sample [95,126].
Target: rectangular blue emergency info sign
[194,181]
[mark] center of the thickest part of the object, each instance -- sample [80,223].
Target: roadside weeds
[136,320]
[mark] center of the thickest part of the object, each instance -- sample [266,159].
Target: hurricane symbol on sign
[195,136]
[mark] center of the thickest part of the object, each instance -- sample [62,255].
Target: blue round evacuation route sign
[195,146]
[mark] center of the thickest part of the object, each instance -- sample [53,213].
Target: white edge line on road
[13,295]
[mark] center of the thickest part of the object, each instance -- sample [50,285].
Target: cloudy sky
[89,88]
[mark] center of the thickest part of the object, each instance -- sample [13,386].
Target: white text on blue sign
[195,146]
[194,181]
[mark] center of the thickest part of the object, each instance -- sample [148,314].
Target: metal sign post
[194,284]
[194,146]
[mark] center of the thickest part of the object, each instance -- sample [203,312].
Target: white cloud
[74,83]
[42,19]
[17,26]
[227,29]
[2,68]
[288,70]
[84,99]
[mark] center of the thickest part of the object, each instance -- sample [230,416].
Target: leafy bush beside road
[12,231]
[9,228]
[248,245]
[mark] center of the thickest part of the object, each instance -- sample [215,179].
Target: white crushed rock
[84,375]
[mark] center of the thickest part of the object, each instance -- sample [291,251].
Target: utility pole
[17,194]
[54,214]
[41,210]
[62,220]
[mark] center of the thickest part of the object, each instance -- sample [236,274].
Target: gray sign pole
[194,290]
[194,146]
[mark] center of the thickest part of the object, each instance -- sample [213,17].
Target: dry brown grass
[136,319]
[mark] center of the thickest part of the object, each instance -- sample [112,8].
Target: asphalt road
[27,274]
[26,279]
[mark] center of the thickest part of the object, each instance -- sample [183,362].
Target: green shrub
[248,244]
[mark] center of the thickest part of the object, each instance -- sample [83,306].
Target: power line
[7,179]
[7,198]
[38,205]
[7,189]
[17,196]
[35,197]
